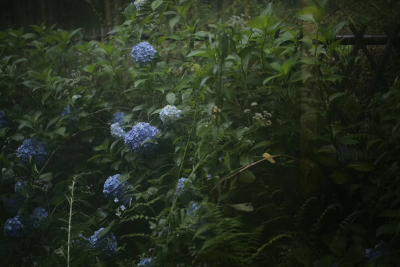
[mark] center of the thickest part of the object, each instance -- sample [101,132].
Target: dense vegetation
[245,143]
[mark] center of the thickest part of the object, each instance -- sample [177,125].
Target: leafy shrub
[238,144]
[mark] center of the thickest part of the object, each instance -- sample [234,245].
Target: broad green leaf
[196,53]
[335,96]
[247,207]
[247,177]
[361,166]
[171,98]
[60,131]
[245,161]
[104,146]
[387,229]
[339,178]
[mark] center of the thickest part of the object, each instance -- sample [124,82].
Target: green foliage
[282,172]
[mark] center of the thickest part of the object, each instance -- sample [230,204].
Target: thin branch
[52,154]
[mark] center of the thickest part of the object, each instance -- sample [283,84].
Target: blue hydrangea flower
[143,53]
[150,262]
[32,148]
[140,133]
[118,118]
[14,227]
[117,131]
[192,216]
[117,191]
[139,4]
[375,253]
[170,114]
[107,243]
[184,189]
[3,120]
[38,218]
[193,209]
[14,204]
[67,111]
[20,187]
[79,242]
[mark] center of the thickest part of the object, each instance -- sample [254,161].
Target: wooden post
[381,67]
[107,10]
[247,8]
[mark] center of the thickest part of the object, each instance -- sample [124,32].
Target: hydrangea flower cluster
[115,190]
[107,243]
[20,187]
[184,189]
[150,262]
[3,121]
[193,216]
[143,53]
[192,209]
[139,4]
[375,253]
[14,227]
[32,148]
[118,118]
[170,114]
[38,218]
[14,204]
[117,131]
[140,133]
[67,111]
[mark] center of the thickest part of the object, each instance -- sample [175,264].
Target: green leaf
[90,68]
[123,177]
[326,149]
[339,178]
[106,230]
[227,161]
[256,22]
[197,53]
[247,177]
[54,120]
[174,21]
[60,131]
[263,144]
[147,19]
[138,82]
[156,4]
[387,229]
[335,96]
[104,146]
[361,166]
[311,14]
[47,177]
[129,10]
[245,161]
[171,98]
[247,207]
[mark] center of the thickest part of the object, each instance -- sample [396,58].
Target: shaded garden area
[199,133]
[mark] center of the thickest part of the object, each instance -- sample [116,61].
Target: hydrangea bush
[107,243]
[264,114]
[185,190]
[32,148]
[117,191]
[117,131]
[143,53]
[170,114]
[38,218]
[118,118]
[150,262]
[138,138]
[14,227]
